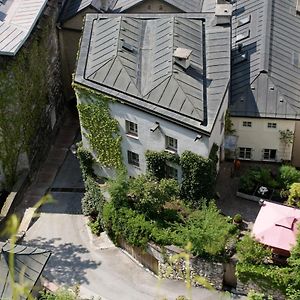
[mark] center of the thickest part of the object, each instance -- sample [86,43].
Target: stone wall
[175,268]
[33,147]
[244,288]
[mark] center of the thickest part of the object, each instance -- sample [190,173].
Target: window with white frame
[131,128]
[245,153]
[269,154]
[133,158]
[171,172]
[247,124]
[171,144]
[272,125]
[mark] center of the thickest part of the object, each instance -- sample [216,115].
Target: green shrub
[149,195]
[118,190]
[294,195]
[207,230]
[252,295]
[237,218]
[93,199]
[252,252]
[85,160]
[247,184]
[157,162]
[61,294]
[288,176]
[95,226]
[198,178]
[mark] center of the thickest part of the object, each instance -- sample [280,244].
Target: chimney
[223,12]
[182,57]
[105,5]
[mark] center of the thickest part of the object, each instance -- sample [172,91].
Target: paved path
[93,263]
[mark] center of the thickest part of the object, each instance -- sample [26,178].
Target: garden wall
[156,259]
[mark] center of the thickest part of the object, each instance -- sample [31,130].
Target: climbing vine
[101,129]
[23,98]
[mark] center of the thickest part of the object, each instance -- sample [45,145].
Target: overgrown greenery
[145,209]
[254,265]
[157,162]
[281,182]
[294,196]
[23,99]
[228,124]
[100,129]
[199,176]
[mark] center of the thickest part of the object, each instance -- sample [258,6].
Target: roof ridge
[266,35]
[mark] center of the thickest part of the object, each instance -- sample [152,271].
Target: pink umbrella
[276,225]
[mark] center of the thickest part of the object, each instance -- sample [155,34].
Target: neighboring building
[265,79]
[276,226]
[74,11]
[30,90]
[28,265]
[170,78]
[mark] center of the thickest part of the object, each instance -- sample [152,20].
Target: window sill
[134,166]
[135,137]
[171,151]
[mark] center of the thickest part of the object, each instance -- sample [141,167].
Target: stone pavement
[49,168]
[227,186]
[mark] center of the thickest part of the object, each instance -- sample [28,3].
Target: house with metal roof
[73,12]
[30,91]
[265,79]
[168,75]
[28,265]
[17,20]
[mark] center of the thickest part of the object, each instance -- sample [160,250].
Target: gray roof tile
[267,83]
[17,19]
[134,56]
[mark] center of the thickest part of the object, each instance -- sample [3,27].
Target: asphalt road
[98,267]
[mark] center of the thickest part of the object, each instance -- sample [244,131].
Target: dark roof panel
[134,57]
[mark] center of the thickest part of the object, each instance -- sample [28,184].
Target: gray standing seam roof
[28,265]
[17,19]
[133,56]
[73,7]
[265,78]
[184,6]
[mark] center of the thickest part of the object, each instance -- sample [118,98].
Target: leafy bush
[157,162]
[252,295]
[288,176]
[207,230]
[118,190]
[198,177]
[95,226]
[252,252]
[149,196]
[294,195]
[247,184]
[61,294]
[85,160]
[237,218]
[93,199]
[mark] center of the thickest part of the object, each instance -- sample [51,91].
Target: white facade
[187,139]
[262,137]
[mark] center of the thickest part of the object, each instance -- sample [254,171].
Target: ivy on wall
[101,129]
[23,98]
[199,173]
[157,162]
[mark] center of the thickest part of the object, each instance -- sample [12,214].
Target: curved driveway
[98,267]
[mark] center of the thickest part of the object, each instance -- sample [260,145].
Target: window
[247,124]
[131,128]
[171,172]
[171,144]
[245,153]
[298,7]
[272,125]
[269,154]
[133,158]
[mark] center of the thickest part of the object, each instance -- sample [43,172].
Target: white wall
[259,136]
[148,140]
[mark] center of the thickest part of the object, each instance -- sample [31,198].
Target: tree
[294,196]
[149,195]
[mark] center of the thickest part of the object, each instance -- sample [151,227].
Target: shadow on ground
[67,264]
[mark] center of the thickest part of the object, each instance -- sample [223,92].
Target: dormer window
[183,57]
